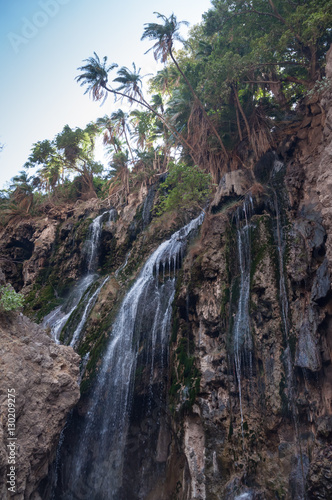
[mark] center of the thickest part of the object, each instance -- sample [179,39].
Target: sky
[43,42]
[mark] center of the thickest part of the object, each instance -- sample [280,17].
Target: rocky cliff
[243,408]
[252,394]
[38,389]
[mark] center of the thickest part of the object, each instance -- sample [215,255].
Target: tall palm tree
[165,34]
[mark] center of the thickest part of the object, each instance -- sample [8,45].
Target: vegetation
[212,107]
[9,299]
[185,188]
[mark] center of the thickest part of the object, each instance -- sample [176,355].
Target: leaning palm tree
[131,82]
[95,76]
[165,35]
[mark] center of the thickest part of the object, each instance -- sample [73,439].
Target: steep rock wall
[258,425]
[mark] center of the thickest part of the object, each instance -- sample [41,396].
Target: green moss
[109,258]
[175,328]
[187,374]
[95,355]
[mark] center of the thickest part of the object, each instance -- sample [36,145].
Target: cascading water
[59,317]
[241,330]
[93,469]
[288,362]
[90,303]
[92,243]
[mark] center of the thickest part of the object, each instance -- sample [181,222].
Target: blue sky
[42,42]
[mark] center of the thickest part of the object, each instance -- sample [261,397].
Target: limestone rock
[43,377]
[235,183]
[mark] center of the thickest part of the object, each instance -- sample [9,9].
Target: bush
[186,187]
[9,299]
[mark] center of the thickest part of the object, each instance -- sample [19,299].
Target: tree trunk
[90,192]
[244,117]
[200,104]
[238,122]
[130,150]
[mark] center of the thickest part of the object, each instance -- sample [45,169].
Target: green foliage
[186,187]
[9,299]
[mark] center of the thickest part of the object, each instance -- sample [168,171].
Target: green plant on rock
[185,188]
[9,299]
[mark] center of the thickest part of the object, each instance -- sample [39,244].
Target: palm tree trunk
[126,137]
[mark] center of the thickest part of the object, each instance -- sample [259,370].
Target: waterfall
[59,316]
[57,319]
[241,330]
[288,361]
[94,469]
[90,303]
[92,243]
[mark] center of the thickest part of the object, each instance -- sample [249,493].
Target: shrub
[9,299]
[186,187]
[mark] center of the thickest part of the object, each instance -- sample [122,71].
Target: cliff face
[254,313]
[41,379]
[243,407]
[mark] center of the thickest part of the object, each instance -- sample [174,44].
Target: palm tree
[22,191]
[95,76]
[76,147]
[106,125]
[143,124]
[119,165]
[165,79]
[120,122]
[165,34]
[131,82]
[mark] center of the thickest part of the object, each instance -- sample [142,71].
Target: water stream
[93,470]
[58,318]
[288,361]
[241,330]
